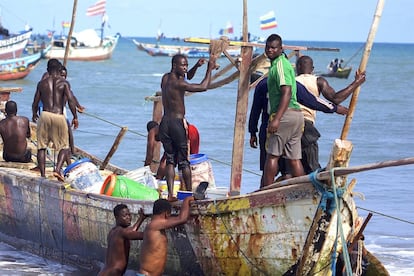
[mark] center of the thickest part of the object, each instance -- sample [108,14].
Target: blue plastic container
[74,164]
[183,194]
[198,158]
[83,175]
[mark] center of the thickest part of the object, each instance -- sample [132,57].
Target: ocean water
[114,92]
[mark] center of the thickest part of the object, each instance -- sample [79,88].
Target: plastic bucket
[83,175]
[201,170]
[183,194]
[124,187]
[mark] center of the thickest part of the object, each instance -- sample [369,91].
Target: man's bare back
[153,252]
[14,130]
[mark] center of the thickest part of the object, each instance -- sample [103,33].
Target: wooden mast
[362,67]
[241,110]
[72,24]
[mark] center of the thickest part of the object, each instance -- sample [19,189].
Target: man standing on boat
[317,86]
[52,127]
[173,127]
[259,109]
[14,130]
[286,119]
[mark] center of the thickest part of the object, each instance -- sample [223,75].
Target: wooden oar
[72,24]
[362,67]
[325,175]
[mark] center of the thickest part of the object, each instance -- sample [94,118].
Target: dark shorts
[310,148]
[173,136]
[26,158]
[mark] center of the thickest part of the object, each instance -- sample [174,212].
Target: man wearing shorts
[53,91]
[286,119]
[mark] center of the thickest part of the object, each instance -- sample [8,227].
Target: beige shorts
[286,140]
[52,128]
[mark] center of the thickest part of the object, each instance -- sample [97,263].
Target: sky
[299,20]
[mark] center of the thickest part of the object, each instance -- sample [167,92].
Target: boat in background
[12,46]
[342,73]
[19,68]
[85,46]
[186,50]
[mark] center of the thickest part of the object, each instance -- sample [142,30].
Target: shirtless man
[80,109]
[52,127]
[119,237]
[153,254]
[172,129]
[14,130]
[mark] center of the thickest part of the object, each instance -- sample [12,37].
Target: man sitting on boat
[14,130]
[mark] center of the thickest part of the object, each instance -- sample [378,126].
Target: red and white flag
[96,9]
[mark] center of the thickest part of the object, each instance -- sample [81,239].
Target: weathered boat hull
[13,46]
[19,68]
[84,53]
[256,234]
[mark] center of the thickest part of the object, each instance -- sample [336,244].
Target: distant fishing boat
[19,68]
[87,45]
[342,73]
[12,46]
[89,49]
[171,50]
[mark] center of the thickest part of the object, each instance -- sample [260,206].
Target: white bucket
[84,175]
[201,170]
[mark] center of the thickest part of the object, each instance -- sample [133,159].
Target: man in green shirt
[286,119]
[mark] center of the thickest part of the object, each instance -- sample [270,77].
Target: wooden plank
[10,89]
[114,147]
[241,111]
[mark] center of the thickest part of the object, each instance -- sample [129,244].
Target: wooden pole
[362,67]
[326,175]
[114,147]
[241,110]
[72,24]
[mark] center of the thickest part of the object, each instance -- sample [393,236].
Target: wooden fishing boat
[287,228]
[294,227]
[171,50]
[19,68]
[12,46]
[342,73]
[82,50]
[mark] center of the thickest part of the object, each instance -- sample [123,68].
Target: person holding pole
[173,126]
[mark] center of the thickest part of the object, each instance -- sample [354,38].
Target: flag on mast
[268,21]
[96,9]
[228,30]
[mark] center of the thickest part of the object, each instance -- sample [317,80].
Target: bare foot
[35,169]
[172,199]
[59,176]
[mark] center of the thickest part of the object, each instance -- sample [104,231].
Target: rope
[339,225]
[228,164]
[388,216]
[358,270]
[320,187]
[112,123]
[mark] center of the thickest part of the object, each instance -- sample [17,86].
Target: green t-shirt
[281,73]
